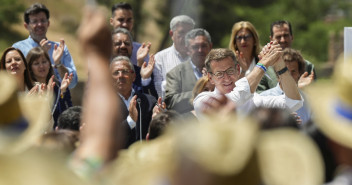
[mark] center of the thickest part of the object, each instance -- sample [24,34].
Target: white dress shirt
[165,60]
[246,101]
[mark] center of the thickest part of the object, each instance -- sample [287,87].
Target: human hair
[181,19]
[292,55]
[27,78]
[33,55]
[197,32]
[123,31]
[120,5]
[280,23]
[248,26]
[35,9]
[123,58]
[199,87]
[271,118]
[160,122]
[59,141]
[70,119]
[218,54]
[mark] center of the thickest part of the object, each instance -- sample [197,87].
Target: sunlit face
[245,41]
[122,18]
[123,76]
[14,63]
[227,83]
[293,69]
[282,35]
[199,47]
[40,67]
[121,45]
[37,26]
[178,37]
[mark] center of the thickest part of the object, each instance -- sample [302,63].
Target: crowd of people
[189,114]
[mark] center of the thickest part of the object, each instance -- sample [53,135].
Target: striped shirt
[165,60]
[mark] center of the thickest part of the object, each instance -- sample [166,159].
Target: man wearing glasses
[138,105]
[36,21]
[224,72]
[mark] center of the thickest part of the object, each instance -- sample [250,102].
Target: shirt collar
[196,71]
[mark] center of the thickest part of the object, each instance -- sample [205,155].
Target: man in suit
[122,46]
[180,80]
[139,105]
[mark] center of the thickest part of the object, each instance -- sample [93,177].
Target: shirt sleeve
[158,77]
[68,62]
[130,122]
[241,93]
[146,82]
[281,101]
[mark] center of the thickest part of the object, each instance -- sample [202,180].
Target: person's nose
[282,39]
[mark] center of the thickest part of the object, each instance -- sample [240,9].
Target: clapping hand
[142,52]
[305,79]
[147,69]
[66,81]
[58,51]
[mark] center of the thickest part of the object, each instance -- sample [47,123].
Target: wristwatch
[57,65]
[282,71]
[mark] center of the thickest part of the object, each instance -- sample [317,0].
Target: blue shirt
[66,60]
[304,112]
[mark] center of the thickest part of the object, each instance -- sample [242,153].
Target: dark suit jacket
[180,82]
[146,106]
[137,84]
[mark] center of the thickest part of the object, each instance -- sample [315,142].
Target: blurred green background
[317,24]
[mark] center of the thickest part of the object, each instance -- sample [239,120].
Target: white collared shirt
[246,101]
[165,60]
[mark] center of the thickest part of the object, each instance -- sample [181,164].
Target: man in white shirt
[224,71]
[168,58]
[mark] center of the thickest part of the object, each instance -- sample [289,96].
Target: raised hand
[147,69]
[270,54]
[242,61]
[44,43]
[132,109]
[66,81]
[92,33]
[305,79]
[58,51]
[159,107]
[142,52]
[219,105]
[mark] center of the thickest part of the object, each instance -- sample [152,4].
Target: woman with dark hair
[15,63]
[41,71]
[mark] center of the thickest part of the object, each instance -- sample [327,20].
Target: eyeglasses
[220,74]
[244,37]
[119,43]
[35,22]
[123,72]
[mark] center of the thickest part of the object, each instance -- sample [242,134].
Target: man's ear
[210,77]
[111,21]
[271,38]
[25,25]
[171,33]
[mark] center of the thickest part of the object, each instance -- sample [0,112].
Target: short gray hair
[122,58]
[197,32]
[181,19]
[123,31]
